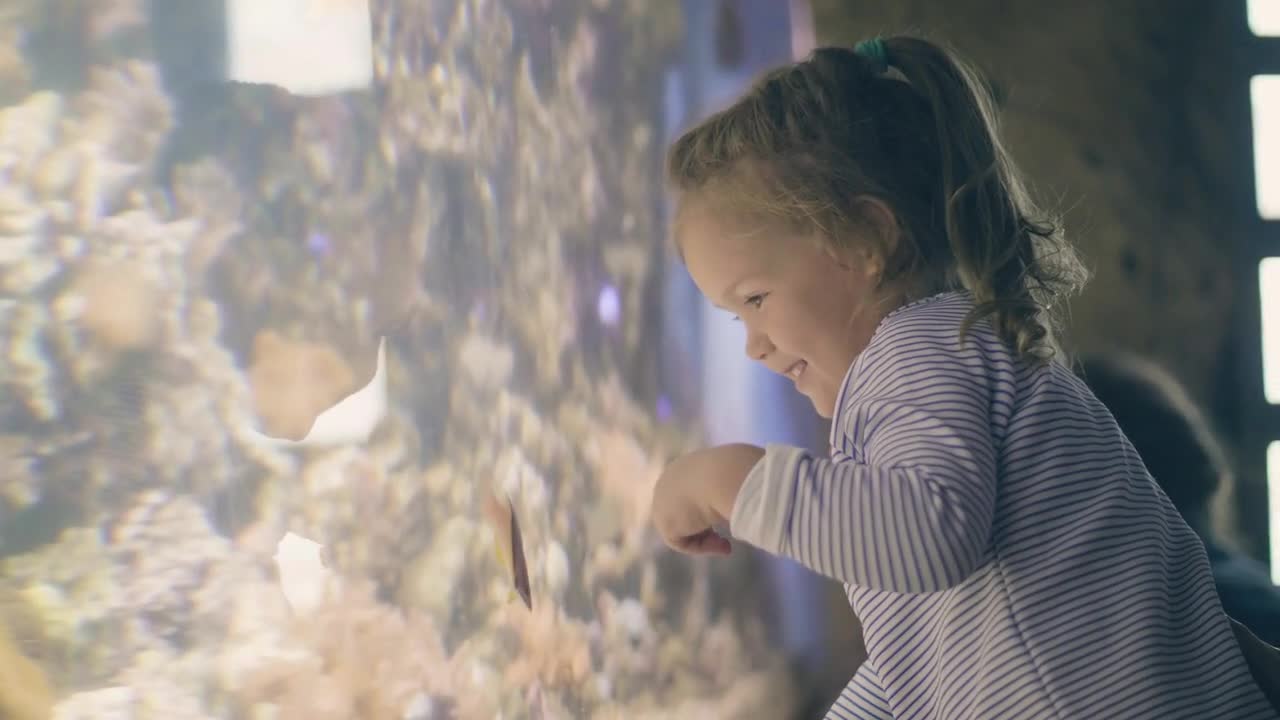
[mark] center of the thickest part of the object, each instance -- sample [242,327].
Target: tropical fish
[351,421]
[509,546]
[304,576]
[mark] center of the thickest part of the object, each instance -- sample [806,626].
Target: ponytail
[1009,255]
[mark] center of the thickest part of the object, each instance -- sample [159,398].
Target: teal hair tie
[874,51]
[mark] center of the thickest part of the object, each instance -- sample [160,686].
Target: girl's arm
[914,513]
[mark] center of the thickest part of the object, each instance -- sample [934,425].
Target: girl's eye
[752,301]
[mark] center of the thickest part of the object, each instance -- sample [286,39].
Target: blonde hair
[912,126]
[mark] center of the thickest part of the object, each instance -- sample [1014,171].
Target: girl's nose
[758,345]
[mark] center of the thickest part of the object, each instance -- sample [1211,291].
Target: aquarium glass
[337,368]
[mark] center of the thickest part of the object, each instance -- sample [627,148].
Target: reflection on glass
[308,47]
[1265,90]
[197,276]
[1269,292]
[1273,490]
[1264,17]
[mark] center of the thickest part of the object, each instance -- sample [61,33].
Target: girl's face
[807,314]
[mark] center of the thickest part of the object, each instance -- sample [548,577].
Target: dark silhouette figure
[1180,451]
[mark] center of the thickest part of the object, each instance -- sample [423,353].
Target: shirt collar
[839,407]
[837,412]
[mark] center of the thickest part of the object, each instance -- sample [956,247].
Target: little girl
[1006,551]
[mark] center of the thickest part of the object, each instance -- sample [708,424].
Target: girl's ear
[880,236]
[884,233]
[860,258]
[881,223]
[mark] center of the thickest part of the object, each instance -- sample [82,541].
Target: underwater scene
[334,382]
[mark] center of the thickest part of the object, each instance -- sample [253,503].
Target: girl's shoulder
[924,327]
[940,312]
[920,343]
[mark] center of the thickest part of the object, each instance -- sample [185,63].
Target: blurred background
[342,340]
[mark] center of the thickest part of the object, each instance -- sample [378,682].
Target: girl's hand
[697,492]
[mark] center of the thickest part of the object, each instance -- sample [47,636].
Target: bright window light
[1264,17]
[308,47]
[1269,286]
[1273,494]
[1266,143]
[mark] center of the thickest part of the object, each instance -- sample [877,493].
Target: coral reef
[354,657]
[164,292]
[94,273]
[25,692]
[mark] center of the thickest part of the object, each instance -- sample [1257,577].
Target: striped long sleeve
[906,505]
[1003,545]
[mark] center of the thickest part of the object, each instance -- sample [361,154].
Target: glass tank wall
[336,374]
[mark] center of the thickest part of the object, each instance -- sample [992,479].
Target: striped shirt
[1001,542]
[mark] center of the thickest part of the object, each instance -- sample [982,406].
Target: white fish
[303,576]
[308,47]
[351,421]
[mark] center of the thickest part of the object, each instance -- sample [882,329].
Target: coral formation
[354,657]
[117,305]
[25,692]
